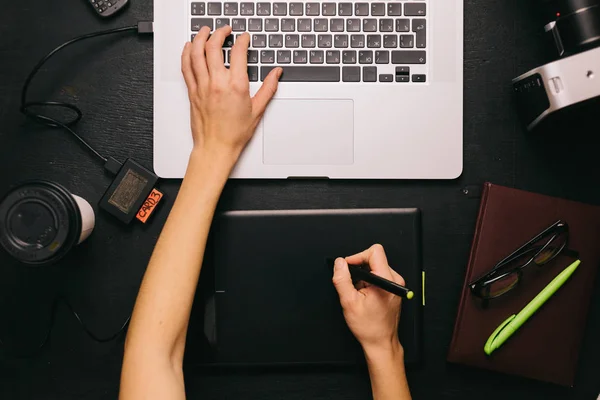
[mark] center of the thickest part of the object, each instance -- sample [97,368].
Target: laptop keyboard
[383,42]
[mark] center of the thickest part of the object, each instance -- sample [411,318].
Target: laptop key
[292,41]
[321,25]
[198,23]
[345,9]
[253,73]
[252,56]
[325,41]
[419,28]
[280,9]
[221,22]
[263,9]
[390,41]
[297,9]
[394,9]
[369,74]
[328,9]
[311,73]
[351,74]
[288,25]
[267,56]
[271,25]
[238,25]
[336,25]
[377,9]
[406,41]
[357,41]
[284,56]
[386,25]
[316,56]
[259,41]
[214,8]
[419,78]
[415,9]
[229,40]
[369,25]
[386,78]
[353,25]
[308,41]
[247,9]
[255,25]
[276,41]
[409,57]
[340,41]
[365,57]
[349,57]
[361,9]
[304,25]
[332,56]
[300,56]
[402,74]
[231,9]
[382,57]
[198,8]
[402,25]
[373,41]
[312,9]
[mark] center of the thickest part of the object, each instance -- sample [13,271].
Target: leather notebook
[547,346]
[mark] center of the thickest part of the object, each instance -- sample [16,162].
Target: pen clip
[489,345]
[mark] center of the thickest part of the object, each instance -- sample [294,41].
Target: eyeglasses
[540,250]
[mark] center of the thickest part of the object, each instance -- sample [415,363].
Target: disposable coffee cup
[41,221]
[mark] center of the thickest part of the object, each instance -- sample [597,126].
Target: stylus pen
[362,274]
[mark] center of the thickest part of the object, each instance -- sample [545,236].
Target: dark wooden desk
[111,80]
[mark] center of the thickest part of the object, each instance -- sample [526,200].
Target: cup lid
[39,222]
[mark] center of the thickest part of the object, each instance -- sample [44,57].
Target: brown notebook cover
[547,346]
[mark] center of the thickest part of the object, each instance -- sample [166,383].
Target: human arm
[223,118]
[372,315]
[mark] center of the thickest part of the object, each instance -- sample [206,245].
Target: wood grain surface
[111,81]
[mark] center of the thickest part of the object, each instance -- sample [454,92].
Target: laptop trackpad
[309,132]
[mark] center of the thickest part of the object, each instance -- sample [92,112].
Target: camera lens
[577,23]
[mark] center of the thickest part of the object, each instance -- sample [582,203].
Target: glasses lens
[556,244]
[502,285]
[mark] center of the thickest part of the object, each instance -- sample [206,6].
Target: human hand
[223,115]
[372,314]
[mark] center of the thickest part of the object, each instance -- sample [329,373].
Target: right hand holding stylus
[372,314]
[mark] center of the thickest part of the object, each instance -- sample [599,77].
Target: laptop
[273,301]
[369,89]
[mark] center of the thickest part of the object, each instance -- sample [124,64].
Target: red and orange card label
[149,205]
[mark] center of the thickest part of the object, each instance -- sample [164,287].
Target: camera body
[574,78]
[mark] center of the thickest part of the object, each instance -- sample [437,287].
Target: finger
[375,258]
[343,281]
[266,92]
[186,67]
[214,50]
[239,57]
[198,56]
[396,277]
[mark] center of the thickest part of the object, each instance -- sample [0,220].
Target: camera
[573,79]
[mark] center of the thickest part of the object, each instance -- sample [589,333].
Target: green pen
[514,322]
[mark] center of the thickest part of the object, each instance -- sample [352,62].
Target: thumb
[342,280]
[266,92]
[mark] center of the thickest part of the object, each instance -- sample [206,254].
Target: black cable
[52,122]
[52,320]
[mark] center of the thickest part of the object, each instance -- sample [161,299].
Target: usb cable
[31,108]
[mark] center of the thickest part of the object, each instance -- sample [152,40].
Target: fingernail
[339,263]
[279,73]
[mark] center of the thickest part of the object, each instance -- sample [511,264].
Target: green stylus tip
[410,295]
